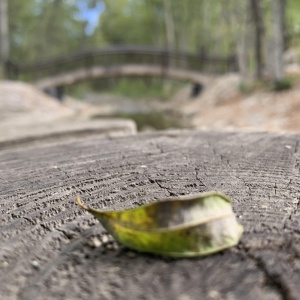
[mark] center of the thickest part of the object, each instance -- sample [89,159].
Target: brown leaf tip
[78,202]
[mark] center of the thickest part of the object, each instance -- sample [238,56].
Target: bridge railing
[122,56]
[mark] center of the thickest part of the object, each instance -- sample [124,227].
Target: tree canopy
[47,28]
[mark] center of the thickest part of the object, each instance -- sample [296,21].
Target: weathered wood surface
[21,135]
[46,241]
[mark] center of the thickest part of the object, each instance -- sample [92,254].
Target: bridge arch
[122,61]
[126,70]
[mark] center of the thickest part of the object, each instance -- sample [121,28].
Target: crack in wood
[29,220]
[68,233]
[246,184]
[198,177]
[275,188]
[165,188]
[297,204]
[225,160]
[271,279]
[160,185]
[159,147]
[45,227]
[296,149]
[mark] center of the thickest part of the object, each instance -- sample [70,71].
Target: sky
[91,15]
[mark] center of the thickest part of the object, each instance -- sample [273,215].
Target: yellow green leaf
[192,225]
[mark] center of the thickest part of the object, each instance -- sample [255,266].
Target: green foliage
[187,226]
[133,88]
[148,120]
[249,87]
[277,86]
[129,22]
[154,120]
[199,25]
[48,28]
[139,87]
[53,27]
[245,88]
[136,88]
[282,85]
[78,91]
[293,21]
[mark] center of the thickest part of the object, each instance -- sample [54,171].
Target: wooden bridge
[122,61]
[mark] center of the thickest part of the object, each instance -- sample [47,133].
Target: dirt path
[222,106]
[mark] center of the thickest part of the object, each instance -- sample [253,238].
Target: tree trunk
[257,19]
[169,23]
[278,17]
[170,34]
[4,37]
[243,44]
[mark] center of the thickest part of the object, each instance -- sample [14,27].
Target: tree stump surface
[17,134]
[51,249]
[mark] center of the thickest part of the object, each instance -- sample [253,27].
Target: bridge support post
[55,92]
[197,89]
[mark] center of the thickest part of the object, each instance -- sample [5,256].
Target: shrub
[282,85]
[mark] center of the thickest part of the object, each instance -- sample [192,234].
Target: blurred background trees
[256,31]
[4,36]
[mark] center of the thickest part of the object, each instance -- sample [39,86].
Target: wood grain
[51,249]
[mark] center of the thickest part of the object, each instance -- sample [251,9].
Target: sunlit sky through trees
[90,15]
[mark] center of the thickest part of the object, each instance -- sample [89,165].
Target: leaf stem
[78,201]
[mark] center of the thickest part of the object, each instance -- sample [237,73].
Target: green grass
[154,88]
[276,86]
[154,119]
[133,88]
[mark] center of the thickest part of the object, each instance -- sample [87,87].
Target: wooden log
[21,135]
[51,249]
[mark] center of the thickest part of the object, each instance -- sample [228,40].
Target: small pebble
[94,242]
[214,295]
[5,264]
[97,242]
[35,264]
[184,297]
[109,246]
[115,246]
[105,239]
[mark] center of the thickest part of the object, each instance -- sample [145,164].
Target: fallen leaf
[192,225]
